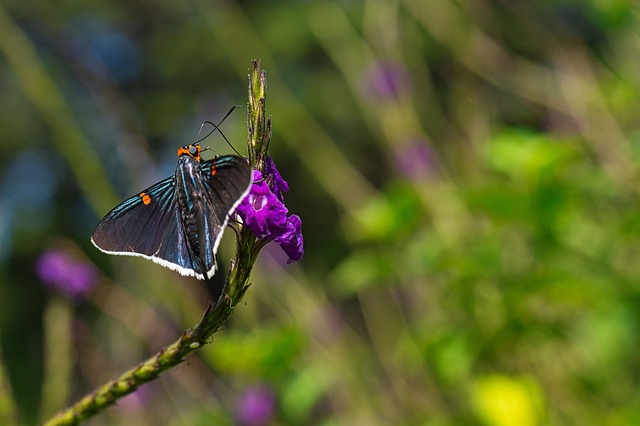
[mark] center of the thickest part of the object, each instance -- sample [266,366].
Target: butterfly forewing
[145,225]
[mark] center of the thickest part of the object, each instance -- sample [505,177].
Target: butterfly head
[192,150]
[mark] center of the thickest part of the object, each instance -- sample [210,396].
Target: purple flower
[256,406]
[264,212]
[415,160]
[291,239]
[279,184]
[386,80]
[261,210]
[56,269]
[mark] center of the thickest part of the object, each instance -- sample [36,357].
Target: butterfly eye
[193,150]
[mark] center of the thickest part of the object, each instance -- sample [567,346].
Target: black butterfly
[178,222]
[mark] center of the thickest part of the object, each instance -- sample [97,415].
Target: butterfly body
[178,222]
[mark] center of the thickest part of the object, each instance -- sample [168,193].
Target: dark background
[467,177]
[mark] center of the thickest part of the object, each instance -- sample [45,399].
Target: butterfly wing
[227,180]
[147,225]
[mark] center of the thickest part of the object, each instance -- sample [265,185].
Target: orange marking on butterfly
[213,169]
[145,198]
[192,151]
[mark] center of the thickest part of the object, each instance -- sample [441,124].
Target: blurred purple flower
[264,212]
[256,406]
[386,80]
[139,399]
[415,160]
[56,269]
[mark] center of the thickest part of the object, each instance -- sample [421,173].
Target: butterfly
[178,222]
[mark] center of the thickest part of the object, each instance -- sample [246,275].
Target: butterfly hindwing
[227,180]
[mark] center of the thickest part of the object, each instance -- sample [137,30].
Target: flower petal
[291,240]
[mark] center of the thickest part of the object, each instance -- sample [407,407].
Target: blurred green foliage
[467,176]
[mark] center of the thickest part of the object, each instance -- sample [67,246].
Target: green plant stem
[191,340]
[237,283]
[258,124]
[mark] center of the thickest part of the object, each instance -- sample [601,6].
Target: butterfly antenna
[199,139]
[217,127]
